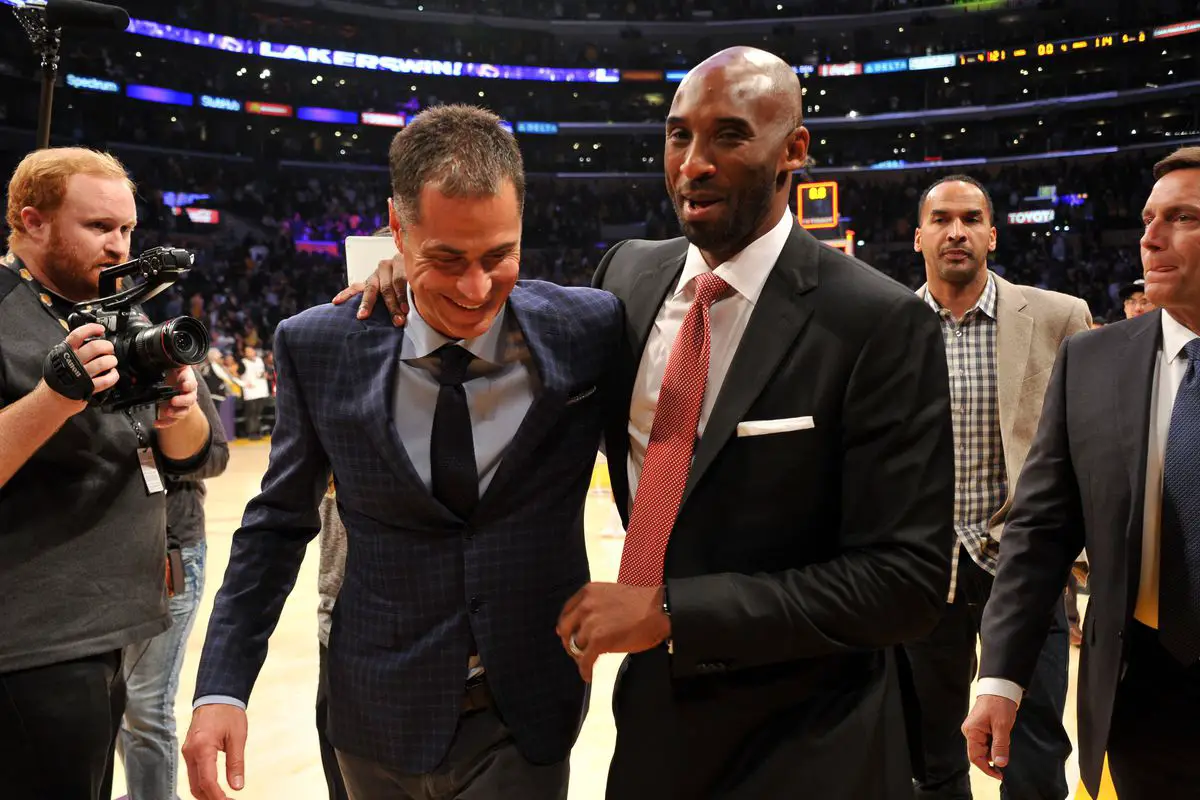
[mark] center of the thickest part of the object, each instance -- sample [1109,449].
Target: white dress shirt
[1169,368]
[254,379]
[746,273]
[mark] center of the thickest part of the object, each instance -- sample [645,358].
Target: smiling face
[1171,245]
[462,256]
[732,141]
[956,233]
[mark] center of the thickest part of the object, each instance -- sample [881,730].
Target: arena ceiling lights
[439,68]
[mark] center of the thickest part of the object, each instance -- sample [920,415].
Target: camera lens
[185,341]
[174,343]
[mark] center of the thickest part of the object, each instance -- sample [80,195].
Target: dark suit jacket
[797,558]
[420,581]
[1084,483]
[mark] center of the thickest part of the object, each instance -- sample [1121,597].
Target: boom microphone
[85,14]
[43,22]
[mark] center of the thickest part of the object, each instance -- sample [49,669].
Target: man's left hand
[612,618]
[179,406]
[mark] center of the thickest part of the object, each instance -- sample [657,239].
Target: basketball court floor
[282,761]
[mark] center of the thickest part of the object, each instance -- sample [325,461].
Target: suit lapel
[785,305]
[1014,337]
[642,304]
[374,355]
[1132,370]
[649,292]
[539,324]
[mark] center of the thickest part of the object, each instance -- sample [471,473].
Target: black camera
[144,351]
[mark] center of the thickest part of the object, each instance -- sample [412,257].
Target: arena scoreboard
[1064,46]
[817,205]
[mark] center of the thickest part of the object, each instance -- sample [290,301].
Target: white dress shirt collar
[1175,337]
[421,340]
[746,273]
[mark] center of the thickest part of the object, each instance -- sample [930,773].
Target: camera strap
[43,296]
[145,454]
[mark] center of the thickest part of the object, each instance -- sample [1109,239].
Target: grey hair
[459,148]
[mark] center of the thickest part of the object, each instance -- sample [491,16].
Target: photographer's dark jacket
[82,543]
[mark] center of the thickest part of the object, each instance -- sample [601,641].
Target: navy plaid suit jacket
[419,580]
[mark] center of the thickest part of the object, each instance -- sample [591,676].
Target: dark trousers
[1153,742]
[329,762]
[483,764]
[253,413]
[58,729]
[942,668]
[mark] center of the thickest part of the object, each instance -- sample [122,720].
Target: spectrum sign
[93,84]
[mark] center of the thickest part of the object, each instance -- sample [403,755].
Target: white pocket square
[579,398]
[763,427]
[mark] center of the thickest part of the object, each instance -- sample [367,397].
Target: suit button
[476,604]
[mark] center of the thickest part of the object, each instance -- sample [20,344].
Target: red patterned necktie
[672,439]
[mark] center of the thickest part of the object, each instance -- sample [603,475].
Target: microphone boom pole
[43,21]
[46,43]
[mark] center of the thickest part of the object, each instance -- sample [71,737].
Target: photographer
[82,509]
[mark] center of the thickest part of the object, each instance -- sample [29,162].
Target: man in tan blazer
[1001,342]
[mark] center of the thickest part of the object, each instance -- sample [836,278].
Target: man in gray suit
[1116,467]
[1000,343]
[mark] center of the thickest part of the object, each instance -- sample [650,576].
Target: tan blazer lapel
[1014,336]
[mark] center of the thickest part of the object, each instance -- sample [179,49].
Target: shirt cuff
[218,699]
[1001,688]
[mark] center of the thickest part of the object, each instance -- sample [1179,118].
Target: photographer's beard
[69,271]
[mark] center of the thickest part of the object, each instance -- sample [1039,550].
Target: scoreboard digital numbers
[817,205]
[1059,47]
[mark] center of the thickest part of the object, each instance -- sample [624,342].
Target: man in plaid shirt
[1001,341]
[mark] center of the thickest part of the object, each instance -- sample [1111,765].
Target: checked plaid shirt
[981,483]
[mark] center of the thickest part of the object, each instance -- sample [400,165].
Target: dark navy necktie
[1179,562]
[455,478]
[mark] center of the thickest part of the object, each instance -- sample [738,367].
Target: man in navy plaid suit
[462,447]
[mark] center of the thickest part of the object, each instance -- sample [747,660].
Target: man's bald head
[734,138]
[750,74]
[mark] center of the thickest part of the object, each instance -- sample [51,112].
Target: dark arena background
[257,134]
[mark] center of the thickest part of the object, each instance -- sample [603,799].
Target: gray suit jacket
[1084,484]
